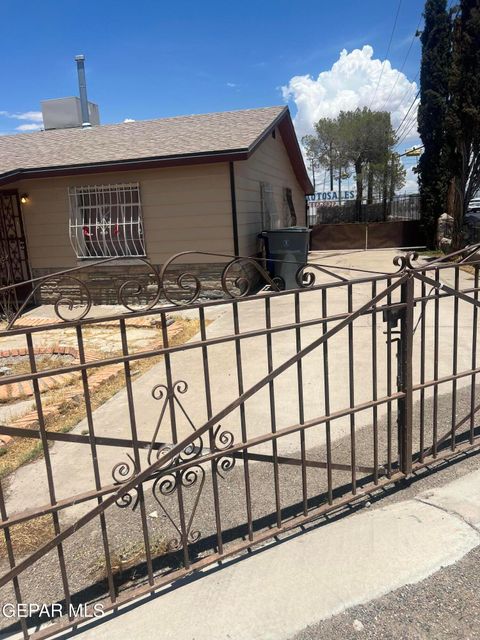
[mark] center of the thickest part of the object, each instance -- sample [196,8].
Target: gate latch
[392,316]
[395,313]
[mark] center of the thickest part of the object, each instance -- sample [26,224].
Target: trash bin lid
[288,230]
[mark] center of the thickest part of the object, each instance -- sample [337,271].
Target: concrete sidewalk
[282,589]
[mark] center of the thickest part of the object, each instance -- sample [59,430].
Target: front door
[14,266]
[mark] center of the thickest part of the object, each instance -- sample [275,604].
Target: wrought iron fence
[293,404]
[400,208]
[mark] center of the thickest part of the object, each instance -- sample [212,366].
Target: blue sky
[154,59]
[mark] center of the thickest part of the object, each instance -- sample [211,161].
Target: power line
[386,55]
[406,115]
[406,130]
[416,76]
[406,133]
[406,125]
[409,125]
[409,90]
[403,63]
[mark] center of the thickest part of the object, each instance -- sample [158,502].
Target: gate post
[405,379]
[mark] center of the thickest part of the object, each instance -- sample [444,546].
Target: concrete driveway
[72,467]
[284,588]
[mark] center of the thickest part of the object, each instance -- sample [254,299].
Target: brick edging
[95,380]
[140,322]
[17,390]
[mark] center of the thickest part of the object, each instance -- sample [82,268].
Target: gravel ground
[83,551]
[443,606]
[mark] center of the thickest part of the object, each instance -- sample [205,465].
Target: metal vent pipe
[82,86]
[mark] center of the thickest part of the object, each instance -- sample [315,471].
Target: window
[106,220]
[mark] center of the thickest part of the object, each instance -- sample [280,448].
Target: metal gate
[13,251]
[294,404]
[366,235]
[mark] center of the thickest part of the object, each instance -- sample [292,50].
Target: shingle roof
[168,137]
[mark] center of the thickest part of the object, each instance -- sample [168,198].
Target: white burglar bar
[106,220]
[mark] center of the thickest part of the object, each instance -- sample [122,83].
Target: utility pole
[385,191]
[392,178]
[331,167]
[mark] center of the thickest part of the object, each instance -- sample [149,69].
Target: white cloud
[350,83]
[30,126]
[129,120]
[411,179]
[34,117]
[232,85]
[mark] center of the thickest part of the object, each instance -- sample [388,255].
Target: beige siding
[269,164]
[184,208]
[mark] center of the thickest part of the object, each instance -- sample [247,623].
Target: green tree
[367,139]
[463,114]
[388,178]
[432,112]
[357,139]
[324,147]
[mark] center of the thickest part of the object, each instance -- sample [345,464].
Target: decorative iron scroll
[233,285]
[241,276]
[123,472]
[187,286]
[184,472]
[404,262]
[130,288]
[306,278]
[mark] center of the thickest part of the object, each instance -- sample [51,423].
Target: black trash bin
[287,251]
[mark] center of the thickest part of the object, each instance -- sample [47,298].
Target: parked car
[472,216]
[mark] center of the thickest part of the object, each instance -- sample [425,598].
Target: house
[148,189]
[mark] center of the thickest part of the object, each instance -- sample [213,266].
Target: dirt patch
[101,337]
[68,409]
[127,557]
[27,536]
[21,364]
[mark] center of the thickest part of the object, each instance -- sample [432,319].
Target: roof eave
[289,136]
[285,125]
[283,122]
[124,165]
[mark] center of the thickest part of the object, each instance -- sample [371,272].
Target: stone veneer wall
[104,282]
